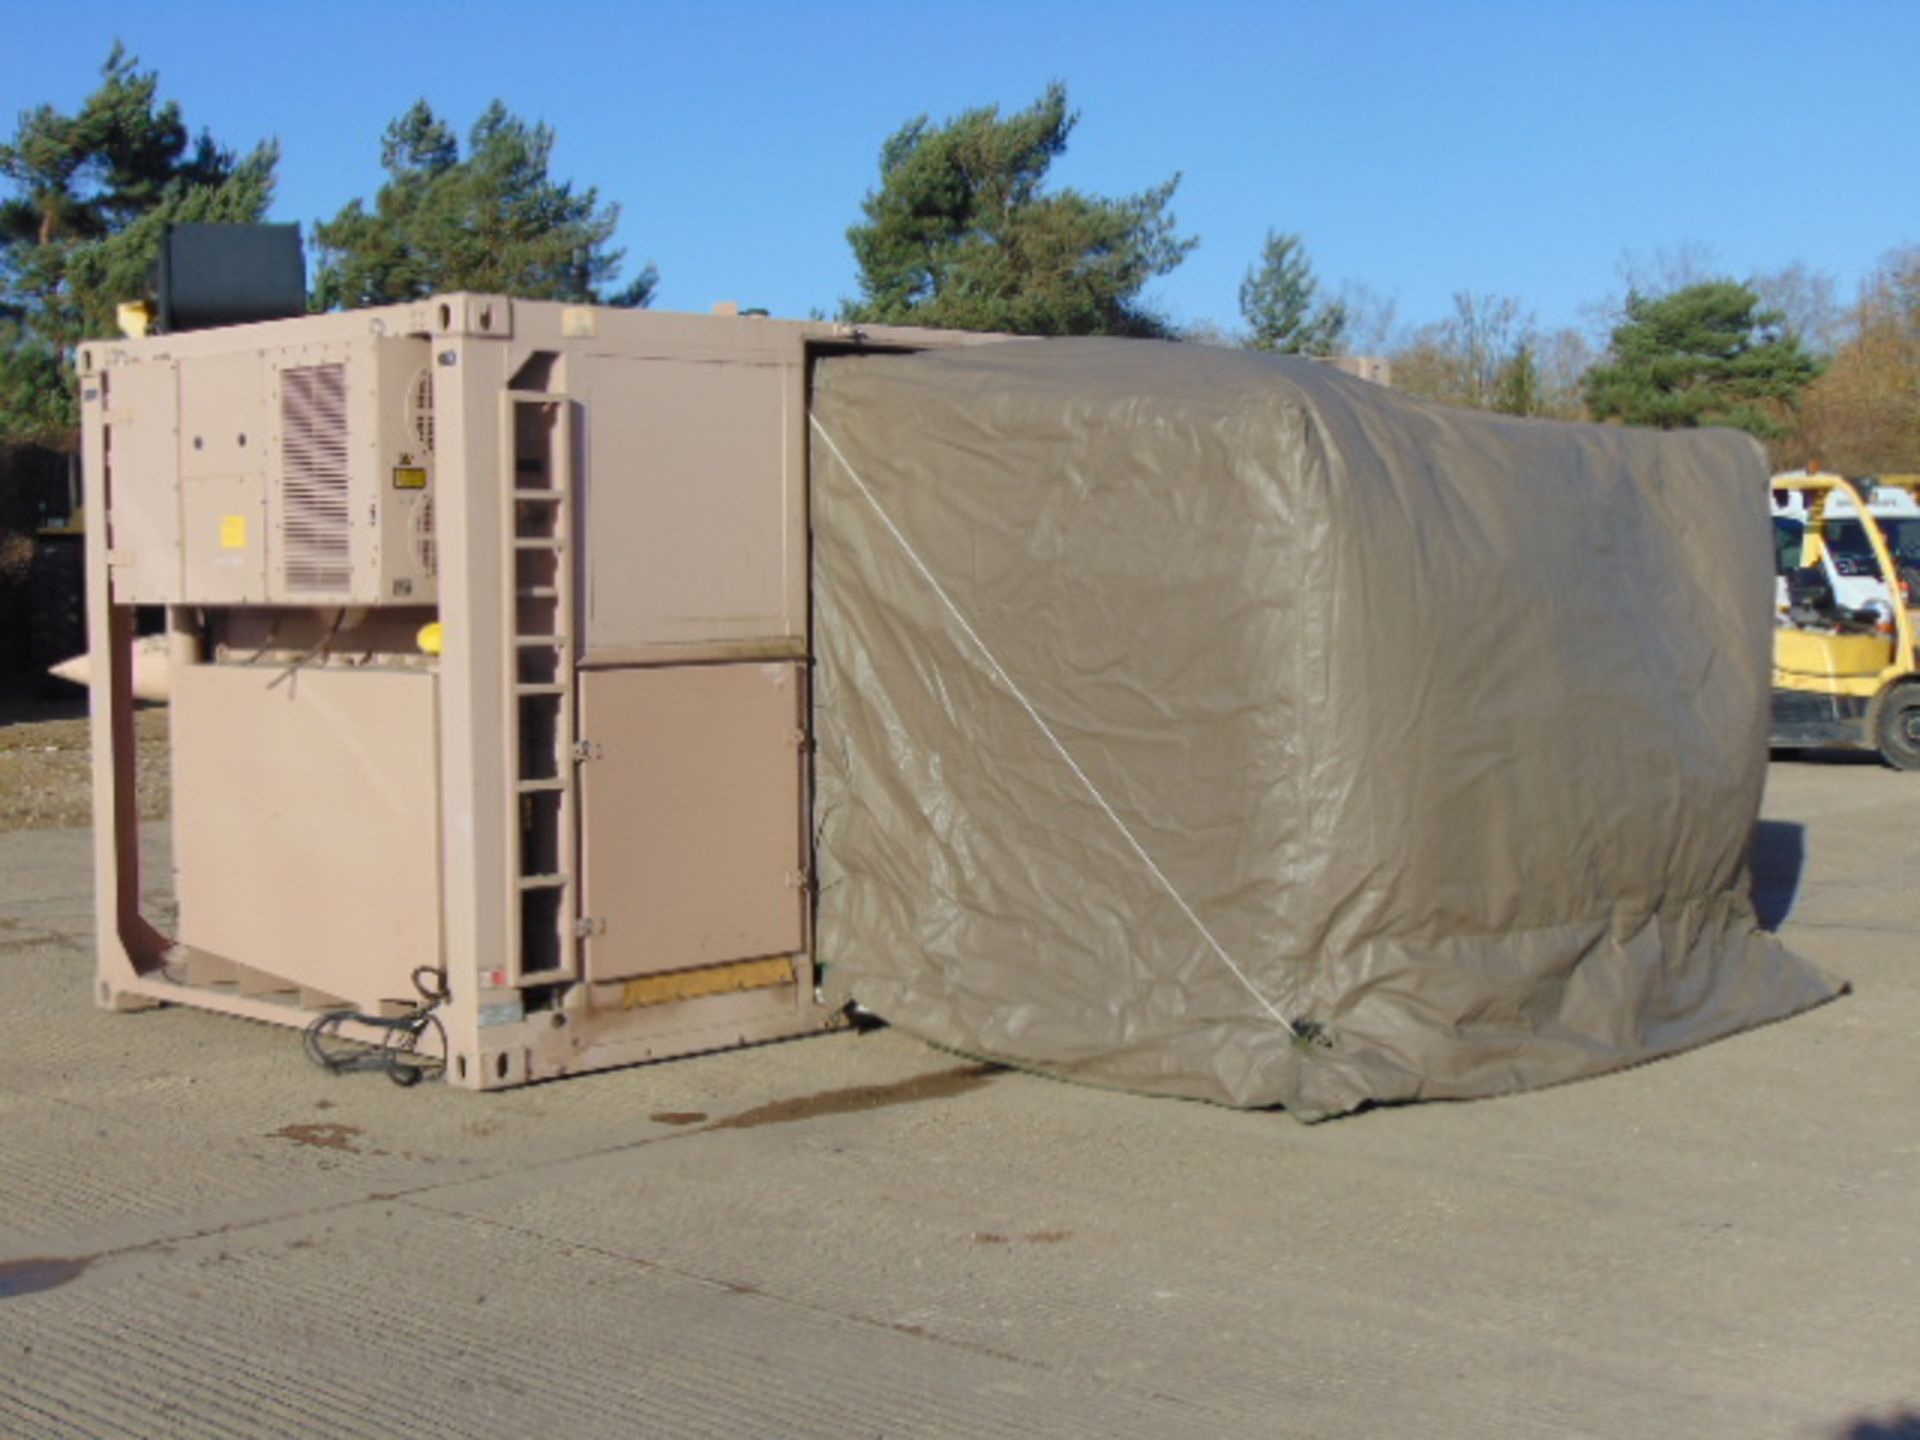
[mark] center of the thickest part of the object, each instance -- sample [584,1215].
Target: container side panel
[305,824]
[225,436]
[691,816]
[143,460]
[692,502]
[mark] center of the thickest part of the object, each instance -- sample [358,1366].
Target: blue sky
[1509,148]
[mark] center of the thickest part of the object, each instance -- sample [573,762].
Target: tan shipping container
[489,638]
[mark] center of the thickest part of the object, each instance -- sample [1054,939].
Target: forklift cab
[1845,671]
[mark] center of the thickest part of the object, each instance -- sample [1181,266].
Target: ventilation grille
[426,554]
[316,536]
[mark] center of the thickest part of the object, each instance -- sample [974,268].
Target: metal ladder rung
[538,507]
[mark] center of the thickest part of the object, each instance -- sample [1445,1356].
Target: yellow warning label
[409,477]
[233,532]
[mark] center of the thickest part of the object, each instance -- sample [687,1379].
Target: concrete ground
[202,1235]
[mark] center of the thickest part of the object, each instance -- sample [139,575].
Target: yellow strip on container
[679,985]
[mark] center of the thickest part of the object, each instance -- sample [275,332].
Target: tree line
[962,230]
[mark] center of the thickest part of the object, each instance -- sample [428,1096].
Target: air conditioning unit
[291,475]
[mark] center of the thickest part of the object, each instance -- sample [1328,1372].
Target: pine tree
[1277,303]
[1704,355]
[962,233]
[495,221]
[79,235]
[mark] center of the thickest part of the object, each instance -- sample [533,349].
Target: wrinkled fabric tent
[1218,725]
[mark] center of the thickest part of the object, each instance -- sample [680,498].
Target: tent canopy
[1218,725]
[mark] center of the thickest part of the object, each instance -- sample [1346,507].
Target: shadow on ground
[1825,757]
[1778,853]
[30,709]
[1902,1426]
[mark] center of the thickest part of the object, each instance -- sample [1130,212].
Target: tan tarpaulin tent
[1218,725]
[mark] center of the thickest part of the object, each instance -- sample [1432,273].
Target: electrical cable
[319,648]
[266,643]
[398,1053]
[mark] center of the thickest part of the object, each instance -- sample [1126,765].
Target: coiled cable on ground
[399,1052]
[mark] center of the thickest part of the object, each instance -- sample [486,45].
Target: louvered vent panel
[316,549]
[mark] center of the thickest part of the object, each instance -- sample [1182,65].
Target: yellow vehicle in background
[1845,669]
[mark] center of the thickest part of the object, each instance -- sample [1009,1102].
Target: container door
[691,829]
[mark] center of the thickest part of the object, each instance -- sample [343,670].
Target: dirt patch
[46,767]
[321,1136]
[678,1117]
[936,1085]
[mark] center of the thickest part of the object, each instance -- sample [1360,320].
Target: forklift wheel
[1900,727]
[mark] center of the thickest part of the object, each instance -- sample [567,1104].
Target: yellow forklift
[1845,670]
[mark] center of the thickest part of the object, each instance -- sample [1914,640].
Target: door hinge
[588,926]
[585,750]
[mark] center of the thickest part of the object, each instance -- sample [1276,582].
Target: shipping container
[488,645]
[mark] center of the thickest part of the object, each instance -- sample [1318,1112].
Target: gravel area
[46,776]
